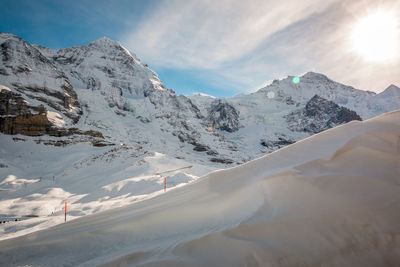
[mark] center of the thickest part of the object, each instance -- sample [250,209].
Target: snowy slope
[389,99]
[147,129]
[331,199]
[38,178]
[137,127]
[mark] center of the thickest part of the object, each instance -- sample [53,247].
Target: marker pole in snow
[165,177]
[65,220]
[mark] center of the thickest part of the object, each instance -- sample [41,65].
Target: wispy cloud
[207,33]
[245,43]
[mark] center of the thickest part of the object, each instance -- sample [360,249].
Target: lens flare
[270,94]
[296,80]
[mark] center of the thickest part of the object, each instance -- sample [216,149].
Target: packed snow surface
[331,199]
[39,178]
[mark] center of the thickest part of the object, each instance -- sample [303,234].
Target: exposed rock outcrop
[276,144]
[25,70]
[222,160]
[318,115]
[17,116]
[223,116]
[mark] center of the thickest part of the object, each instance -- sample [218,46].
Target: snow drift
[331,199]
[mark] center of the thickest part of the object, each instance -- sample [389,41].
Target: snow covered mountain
[95,125]
[267,116]
[104,88]
[329,200]
[24,69]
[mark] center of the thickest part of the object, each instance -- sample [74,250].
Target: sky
[223,47]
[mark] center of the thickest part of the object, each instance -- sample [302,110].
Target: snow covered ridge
[25,70]
[331,200]
[105,88]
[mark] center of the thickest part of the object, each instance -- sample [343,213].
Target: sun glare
[376,37]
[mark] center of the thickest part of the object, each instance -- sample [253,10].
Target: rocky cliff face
[223,116]
[18,117]
[106,66]
[318,115]
[25,70]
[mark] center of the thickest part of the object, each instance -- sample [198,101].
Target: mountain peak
[392,87]
[8,35]
[105,41]
[391,91]
[315,75]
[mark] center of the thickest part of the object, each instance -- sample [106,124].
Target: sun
[376,37]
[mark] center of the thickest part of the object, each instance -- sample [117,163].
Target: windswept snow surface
[331,199]
[38,179]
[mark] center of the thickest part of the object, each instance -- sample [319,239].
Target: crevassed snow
[331,199]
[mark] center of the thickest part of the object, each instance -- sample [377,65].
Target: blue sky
[220,47]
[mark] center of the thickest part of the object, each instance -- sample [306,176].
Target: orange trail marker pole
[165,178]
[65,211]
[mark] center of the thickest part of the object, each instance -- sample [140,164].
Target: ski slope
[331,199]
